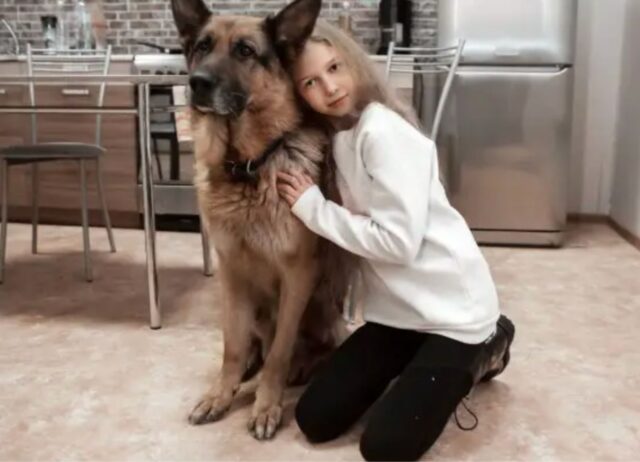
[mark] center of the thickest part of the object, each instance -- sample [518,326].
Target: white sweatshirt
[422,269]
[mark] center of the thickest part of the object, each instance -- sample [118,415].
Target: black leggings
[434,375]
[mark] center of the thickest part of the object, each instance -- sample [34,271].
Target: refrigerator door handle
[506,52]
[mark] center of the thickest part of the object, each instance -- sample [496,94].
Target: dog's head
[238,63]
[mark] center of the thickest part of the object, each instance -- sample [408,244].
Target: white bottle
[98,25]
[62,30]
[72,26]
[344,17]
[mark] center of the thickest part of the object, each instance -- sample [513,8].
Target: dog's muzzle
[210,94]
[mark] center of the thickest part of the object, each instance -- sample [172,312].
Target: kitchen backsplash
[151,20]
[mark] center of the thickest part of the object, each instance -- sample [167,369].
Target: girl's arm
[401,170]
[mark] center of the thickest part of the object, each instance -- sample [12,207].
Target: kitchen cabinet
[60,181]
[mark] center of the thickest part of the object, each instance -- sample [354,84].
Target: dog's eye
[203,46]
[244,50]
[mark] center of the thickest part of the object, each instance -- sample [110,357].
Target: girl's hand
[292,184]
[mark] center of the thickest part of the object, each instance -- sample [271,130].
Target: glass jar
[49,31]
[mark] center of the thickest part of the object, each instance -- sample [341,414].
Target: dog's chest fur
[251,218]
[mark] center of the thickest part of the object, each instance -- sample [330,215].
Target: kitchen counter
[151,62]
[23,57]
[130,58]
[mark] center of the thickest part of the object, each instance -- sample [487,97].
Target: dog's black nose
[202,82]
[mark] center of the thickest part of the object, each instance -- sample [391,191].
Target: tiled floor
[83,377]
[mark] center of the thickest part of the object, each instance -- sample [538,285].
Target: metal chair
[40,62]
[423,60]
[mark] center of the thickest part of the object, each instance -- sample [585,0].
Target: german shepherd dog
[282,285]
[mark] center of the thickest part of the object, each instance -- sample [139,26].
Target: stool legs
[105,211]
[85,223]
[34,208]
[4,177]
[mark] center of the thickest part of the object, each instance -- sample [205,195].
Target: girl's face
[324,81]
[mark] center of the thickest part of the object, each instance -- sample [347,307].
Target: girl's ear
[292,26]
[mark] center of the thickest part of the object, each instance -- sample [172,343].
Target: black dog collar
[248,171]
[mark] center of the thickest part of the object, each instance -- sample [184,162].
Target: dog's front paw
[209,409]
[265,421]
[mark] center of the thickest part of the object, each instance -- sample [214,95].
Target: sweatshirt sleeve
[399,165]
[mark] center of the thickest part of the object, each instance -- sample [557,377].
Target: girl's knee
[311,417]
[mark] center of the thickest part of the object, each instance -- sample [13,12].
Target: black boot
[491,361]
[495,355]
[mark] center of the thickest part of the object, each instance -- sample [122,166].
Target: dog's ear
[189,16]
[292,26]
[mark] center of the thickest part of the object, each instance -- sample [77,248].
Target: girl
[430,304]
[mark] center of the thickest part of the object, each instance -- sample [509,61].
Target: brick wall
[151,20]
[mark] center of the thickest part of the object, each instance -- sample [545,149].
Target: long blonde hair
[370,84]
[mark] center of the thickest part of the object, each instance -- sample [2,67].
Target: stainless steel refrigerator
[505,139]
